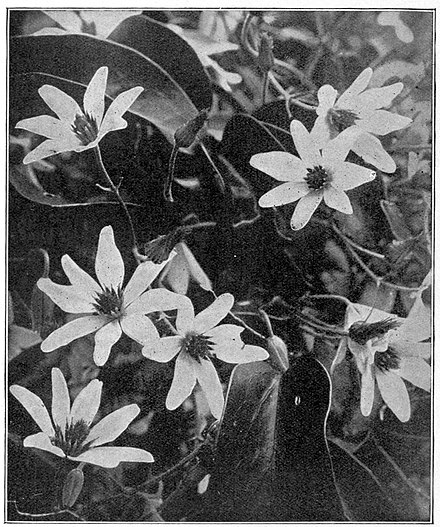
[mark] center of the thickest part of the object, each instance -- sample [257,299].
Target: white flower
[199,339]
[313,176]
[388,349]
[108,308]
[76,129]
[68,433]
[361,108]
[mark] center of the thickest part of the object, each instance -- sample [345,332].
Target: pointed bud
[265,55]
[185,136]
[278,356]
[72,487]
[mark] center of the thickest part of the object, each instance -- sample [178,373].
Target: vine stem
[115,191]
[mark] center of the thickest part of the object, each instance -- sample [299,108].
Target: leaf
[77,57]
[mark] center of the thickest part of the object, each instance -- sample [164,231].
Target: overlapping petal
[210,383]
[183,383]
[141,279]
[376,98]
[213,314]
[59,102]
[416,371]
[42,441]
[113,117]
[105,338]
[164,349]
[94,97]
[81,280]
[359,85]
[86,404]
[326,97]
[382,122]
[73,330]
[370,149]
[338,148]
[139,328]
[53,128]
[349,176]
[60,399]
[50,148]
[305,145]
[394,394]
[67,297]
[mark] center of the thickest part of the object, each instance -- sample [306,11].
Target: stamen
[198,346]
[72,440]
[362,332]
[387,360]
[85,127]
[109,302]
[342,119]
[317,178]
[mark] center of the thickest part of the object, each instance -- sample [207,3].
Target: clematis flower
[313,176]
[106,307]
[68,432]
[363,109]
[388,349]
[77,129]
[199,339]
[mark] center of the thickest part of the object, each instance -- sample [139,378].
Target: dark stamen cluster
[342,119]
[85,127]
[387,360]
[362,332]
[198,346]
[109,302]
[72,441]
[316,177]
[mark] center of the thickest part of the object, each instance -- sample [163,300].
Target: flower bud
[278,356]
[185,136]
[265,55]
[72,487]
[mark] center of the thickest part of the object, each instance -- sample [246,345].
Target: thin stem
[267,321]
[218,177]
[242,323]
[265,88]
[115,190]
[46,514]
[355,245]
[329,297]
[167,190]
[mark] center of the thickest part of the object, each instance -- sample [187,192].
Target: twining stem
[167,190]
[115,191]
[349,241]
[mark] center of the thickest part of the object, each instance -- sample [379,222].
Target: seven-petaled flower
[388,349]
[313,176]
[199,339]
[68,433]
[76,129]
[363,109]
[107,308]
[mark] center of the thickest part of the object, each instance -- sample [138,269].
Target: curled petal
[52,147]
[62,104]
[282,166]
[210,384]
[358,86]
[367,390]
[112,425]
[94,98]
[111,456]
[81,280]
[305,208]
[86,405]
[46,126]
[113,117]
[381,122]
[142,278]
[164,349]
[327,98]
[305,145]
[67,297]
[60,399]
[42,441]
[349,175]
[109,265]
[416,371]
[283,194]
[105,339]
[183,382]
[213,314]
[338,200]
[35,406]
[370,149]
[73,330]
[394,394]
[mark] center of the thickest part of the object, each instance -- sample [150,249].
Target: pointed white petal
[59,102]
[349,175]
[416,371]
[158,299]
[305,145]
[111,456]
[142,278]
[367,390]
[213,314]
[73,330]
[283,194]
[183,382]
[50,148]
[282,166]
[370,149]
[195,269]
[60,399]
[210,383]
[42,442]
[164,349]
[81,280]
[327,98]
[112,425]
[225,336]
[305,208]
[94,101]
[69,298]
[176,274]
[113,117]
[358,86]
[381,122]
[338,148]
[105,339]
[47,126]
[34,405]
[376,98]
[139,328]
[394,394]
[321,132]
[86,405]
[338,200]
[109,265]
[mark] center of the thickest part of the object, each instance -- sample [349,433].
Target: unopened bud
[72,487]
[278,356]
[265,55]
[185,136]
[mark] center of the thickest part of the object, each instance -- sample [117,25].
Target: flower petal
[113,117]
[60,399]
[86,405]
[109,265]
[164,349]
[47,126]
[81,280]
[338,200]
[305,208]
[67,297]
[213,314]
[50,148]
[416,371]
[59,102]
[73,330]
[196,271]
[159,299]
[112,425]
[375,98]
[394,394]
[111,456]
[305,145]
[358,86]
[35,406]
[94,98]
[210,383]
[337,149]
[183,382]
[230,348]
[370,149]
[139,328]
[367,390]
[283,194]
[42,441]
[105,339]
[282,166]
[381,122]
[327,98]
[349,175]
[417,325]
[321,132]
[141,279]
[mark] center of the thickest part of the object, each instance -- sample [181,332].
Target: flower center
[85,127]
[72,441]
[387,360]
[361,332]
[197,346]
[317,178]
[109,302]
[342,119]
